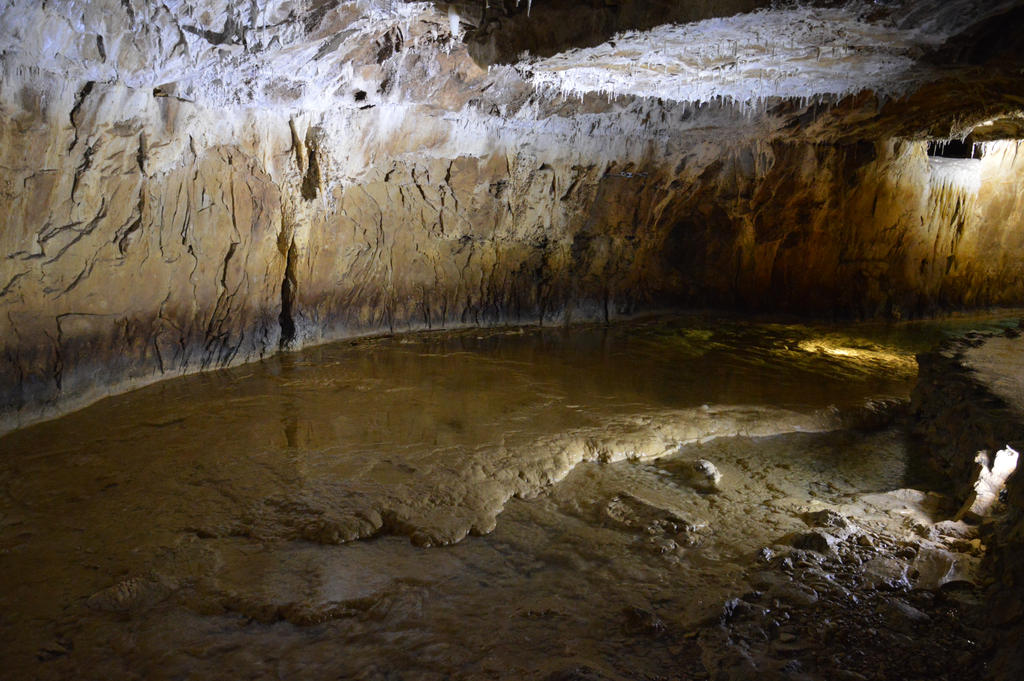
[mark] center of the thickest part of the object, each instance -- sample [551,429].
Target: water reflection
[198,527]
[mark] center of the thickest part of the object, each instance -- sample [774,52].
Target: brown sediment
[248,517]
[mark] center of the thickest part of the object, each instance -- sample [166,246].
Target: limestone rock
[629,512]
[902,616]
[987,483]
[188,186]
[814,540]
[885,571]
[701,475]
[934,567]
[826,518]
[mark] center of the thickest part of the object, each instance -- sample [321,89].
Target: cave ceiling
[829,70]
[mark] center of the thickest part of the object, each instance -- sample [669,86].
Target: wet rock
[629,512]
[57,648]
[790,641]
[787,635]
[794,594]
[885,571]
[924,530]
[826,518]
[972,547]
[726,662]
[955,528]
[736,608]
[767,579]
[834,619]
[901,616]
[640,621]
[702,475]
[874,414]
[934,567]
[582,673]
[661,545]
[907,552]
[666,531]
[129,595]
[815,540]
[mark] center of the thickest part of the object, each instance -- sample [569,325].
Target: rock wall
[865,230]
[128,252]
[193,186]
[862,229]
[969,398]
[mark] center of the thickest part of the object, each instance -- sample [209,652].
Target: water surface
[477,504]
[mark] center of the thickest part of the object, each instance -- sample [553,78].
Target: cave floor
[506,504]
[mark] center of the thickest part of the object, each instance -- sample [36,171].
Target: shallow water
[481,504]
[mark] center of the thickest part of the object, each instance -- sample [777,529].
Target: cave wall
[128,252]
[967,400]
[149,232]
[859,230]
[862,229]
[134,251]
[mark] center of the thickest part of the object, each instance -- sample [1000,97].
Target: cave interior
[539,339]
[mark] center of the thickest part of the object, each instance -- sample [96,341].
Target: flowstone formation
[193,184]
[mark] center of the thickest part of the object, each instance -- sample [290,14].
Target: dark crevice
[233,33]
[311,180]
[954,149]
[502,29]
[227,259]
[125,236]
[311,21]
[140,155]
[129,10]
[79,99]
[388,44]
[289,286]
[11,283]
[82,168]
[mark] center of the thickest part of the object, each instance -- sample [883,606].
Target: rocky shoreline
[842,602]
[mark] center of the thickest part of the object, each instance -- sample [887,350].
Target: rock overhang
[335,57]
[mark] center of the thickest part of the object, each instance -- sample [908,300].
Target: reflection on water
[207,527]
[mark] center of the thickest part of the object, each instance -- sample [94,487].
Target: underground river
[633,501]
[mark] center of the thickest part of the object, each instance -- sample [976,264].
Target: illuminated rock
[702,475]
[988,483]
[190,185]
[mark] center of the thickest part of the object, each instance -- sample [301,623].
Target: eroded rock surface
[195,184]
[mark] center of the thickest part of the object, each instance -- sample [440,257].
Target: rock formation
[968,406]
[196,183]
